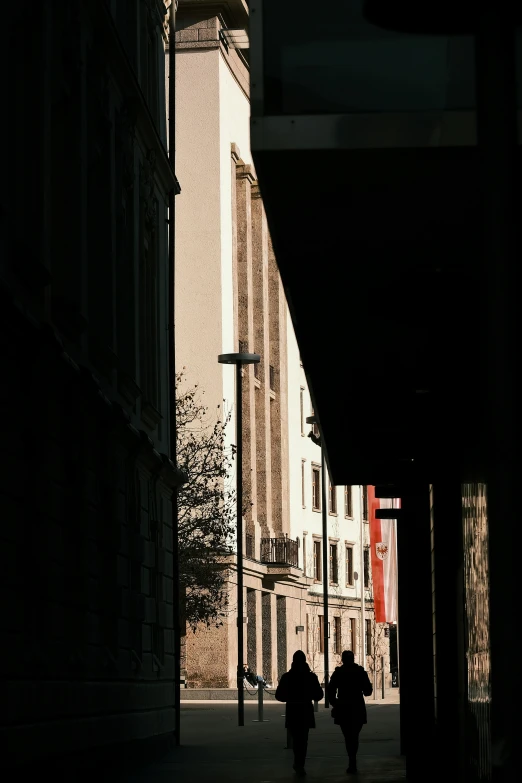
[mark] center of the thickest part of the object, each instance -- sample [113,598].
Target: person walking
[347,688]
[299,687]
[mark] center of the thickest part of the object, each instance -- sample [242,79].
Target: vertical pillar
[275,643]
[277,310]
[262,346]
[242,247]
[282,632]
[415,640]
[500,190]
[251,630]
[235,160]
[259,634]
[448,626]
[269,637]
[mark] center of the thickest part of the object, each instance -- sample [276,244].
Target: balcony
[280,551]
[280,557]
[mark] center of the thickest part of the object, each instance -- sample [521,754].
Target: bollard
[316,706]
[260,690]
[382,676]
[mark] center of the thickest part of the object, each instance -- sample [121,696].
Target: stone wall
[87,559]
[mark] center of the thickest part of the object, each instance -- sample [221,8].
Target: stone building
[230,298]
[86,478]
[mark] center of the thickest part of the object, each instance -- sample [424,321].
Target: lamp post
[239,359]
[318,442]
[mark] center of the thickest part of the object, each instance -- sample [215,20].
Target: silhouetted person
[346,690]
[299,687]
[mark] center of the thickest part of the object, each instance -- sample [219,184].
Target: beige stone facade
[229,298]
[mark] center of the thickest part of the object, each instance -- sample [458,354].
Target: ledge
[282,573]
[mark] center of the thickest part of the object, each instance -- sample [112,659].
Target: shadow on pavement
[214,748]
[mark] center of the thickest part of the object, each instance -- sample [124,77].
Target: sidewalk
[225,695]
[215,749]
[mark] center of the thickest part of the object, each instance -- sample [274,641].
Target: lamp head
[239,358]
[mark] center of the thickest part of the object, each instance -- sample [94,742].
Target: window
[307,633]
[365,502]
[332,499]
[334,578]
[366,567]
[368,637]
[353,634]
[304,554]
[348,507]
[317,561]
[337,635]
[349,565]
[271,376]
[321,633]
[316,488]
[302,411]
[303,493]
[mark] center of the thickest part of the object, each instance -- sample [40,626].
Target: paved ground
[215,749]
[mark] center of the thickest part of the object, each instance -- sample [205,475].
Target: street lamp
[318,441]
[239,359]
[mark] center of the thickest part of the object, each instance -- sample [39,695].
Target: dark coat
[299,689]
[346,690]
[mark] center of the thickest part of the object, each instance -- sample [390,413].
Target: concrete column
[449,641]
[232,631]
[259,633]
[498,156]
[415,631]
[282,635]
[242,211]
[275,642]
[277,310]
[262,346]
[235,160]
[267,637]
[251,630]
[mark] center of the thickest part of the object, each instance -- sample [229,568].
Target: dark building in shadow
[385,140]
[87,473]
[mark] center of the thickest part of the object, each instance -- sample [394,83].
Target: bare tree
[379,650]
[206,506]
[313,654]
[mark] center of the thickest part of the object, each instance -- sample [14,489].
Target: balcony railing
[250,545]
[279,550]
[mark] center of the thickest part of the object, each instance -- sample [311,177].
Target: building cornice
[235,11]
[203,34]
